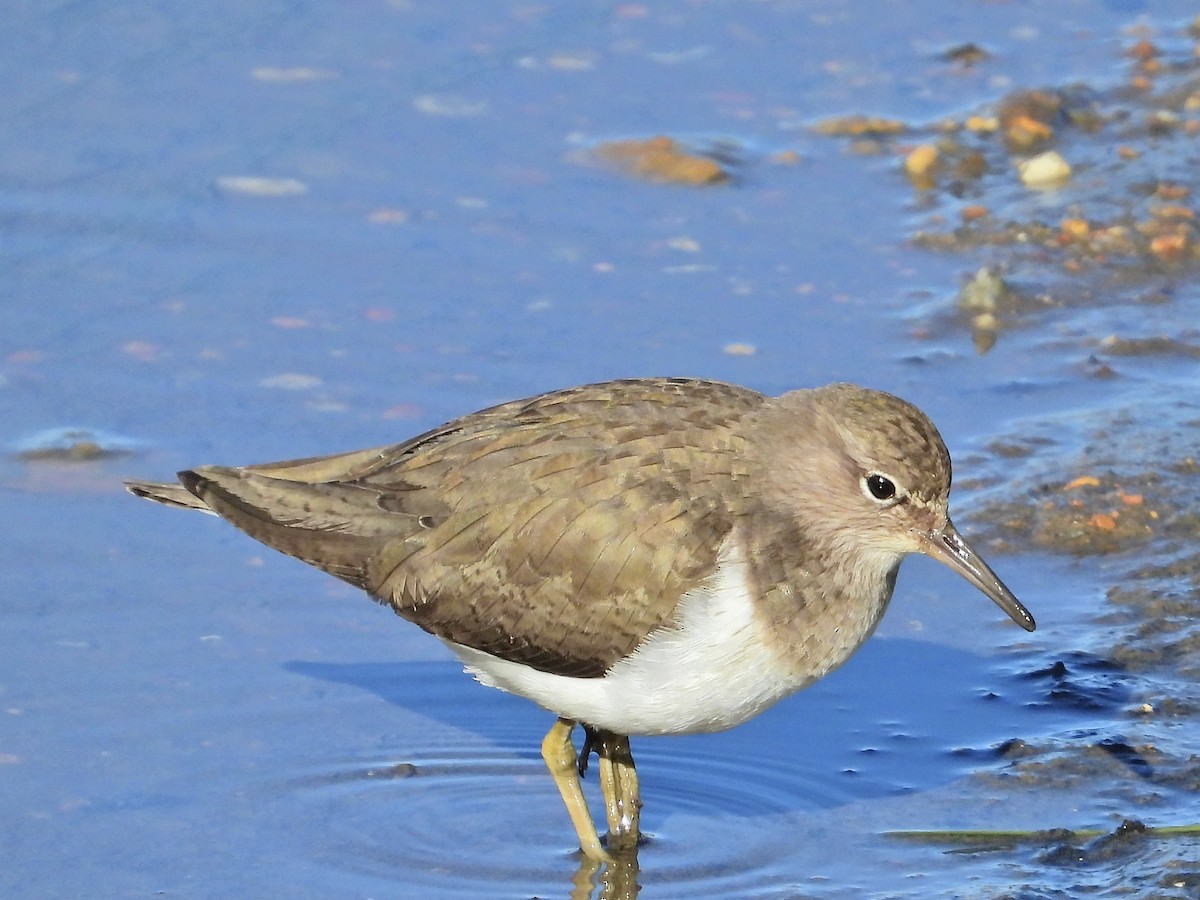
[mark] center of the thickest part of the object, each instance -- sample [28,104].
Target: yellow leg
[559,754]
[622,796]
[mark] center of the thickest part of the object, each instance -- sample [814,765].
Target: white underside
[712,669]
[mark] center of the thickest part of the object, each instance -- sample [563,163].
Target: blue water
[182,713]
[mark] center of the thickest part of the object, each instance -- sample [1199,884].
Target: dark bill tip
[947,546]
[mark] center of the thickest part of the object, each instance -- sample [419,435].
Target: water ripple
[486,821]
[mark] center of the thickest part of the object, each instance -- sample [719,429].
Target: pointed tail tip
[176,495]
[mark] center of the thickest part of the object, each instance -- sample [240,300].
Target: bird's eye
[880,486]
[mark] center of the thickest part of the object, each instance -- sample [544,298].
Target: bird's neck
[817,601]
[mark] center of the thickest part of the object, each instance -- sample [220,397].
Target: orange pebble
[1075,228]
[1170,191]
[1169,247]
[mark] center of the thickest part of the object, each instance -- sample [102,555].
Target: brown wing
[555,532]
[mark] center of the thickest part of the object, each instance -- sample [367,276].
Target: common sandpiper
[641,557]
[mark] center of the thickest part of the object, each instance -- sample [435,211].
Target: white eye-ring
[881,488]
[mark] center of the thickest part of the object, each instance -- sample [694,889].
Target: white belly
[709,671]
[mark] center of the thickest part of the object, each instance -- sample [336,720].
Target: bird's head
[868,474]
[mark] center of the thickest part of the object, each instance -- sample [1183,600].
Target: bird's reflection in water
[616,879]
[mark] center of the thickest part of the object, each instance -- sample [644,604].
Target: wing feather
[557,531]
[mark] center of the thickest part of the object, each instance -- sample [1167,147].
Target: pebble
[738,348]
[290,381]
[920,162]
[257,186]
[1046,170]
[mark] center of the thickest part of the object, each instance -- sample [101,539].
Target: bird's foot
[622,794]
[618,786]
[559,754]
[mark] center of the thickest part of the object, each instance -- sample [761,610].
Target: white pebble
[290,381]
[255,186]
[1046,170]
[740,349]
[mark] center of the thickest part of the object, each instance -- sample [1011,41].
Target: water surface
[186,714]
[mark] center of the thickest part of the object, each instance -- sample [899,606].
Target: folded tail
[335,526]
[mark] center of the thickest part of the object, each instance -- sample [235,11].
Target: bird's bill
[947,546]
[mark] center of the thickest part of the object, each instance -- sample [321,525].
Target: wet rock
[920,165]
[1027,118]
[1143,50]
[1160,345]
[966,55]
[1106,239]
[1095,513]
[860,126]
[661,159]
[1014,748]
[73,445]
[1088,684]
[1125,840]
[1188,881]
